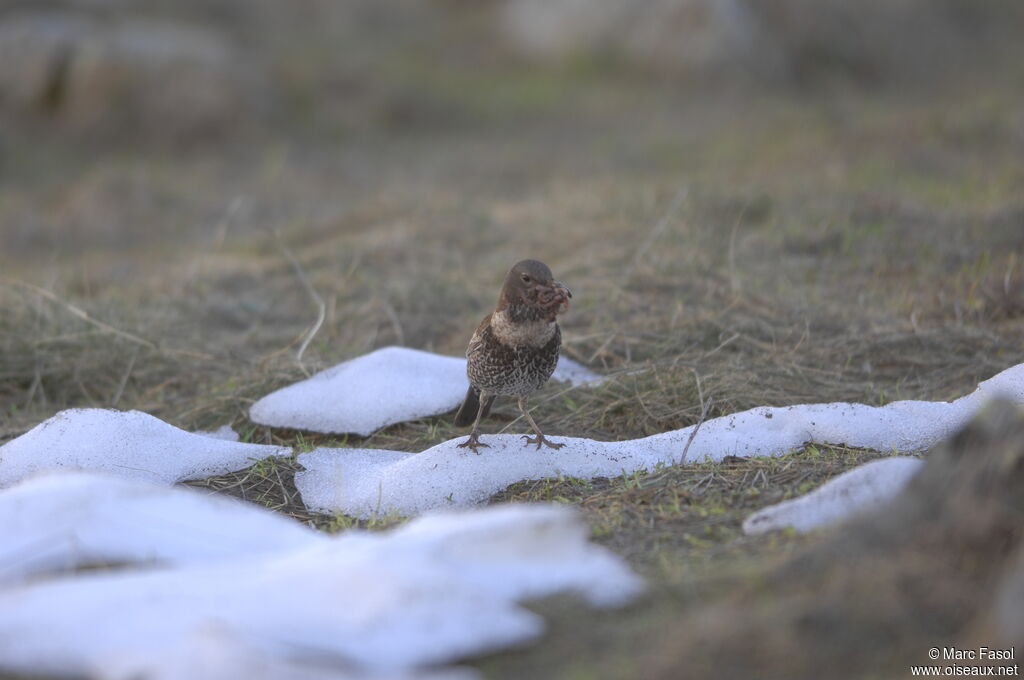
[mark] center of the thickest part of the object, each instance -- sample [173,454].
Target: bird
[515,348]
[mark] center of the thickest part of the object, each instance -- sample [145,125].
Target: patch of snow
[365,482]
[213,652]
[389,385]
[851,493]
[439,589]
[129,444]
[67,520]
[367,393]
[575,373]
[520,551]
[224,432]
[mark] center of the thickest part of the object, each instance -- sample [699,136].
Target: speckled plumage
[507,369]
[514,350]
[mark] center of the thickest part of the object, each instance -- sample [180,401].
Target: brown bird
[514,350]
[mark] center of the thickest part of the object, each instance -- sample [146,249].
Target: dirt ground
[738,245]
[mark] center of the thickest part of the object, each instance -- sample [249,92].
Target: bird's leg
[539,439]
[474,435]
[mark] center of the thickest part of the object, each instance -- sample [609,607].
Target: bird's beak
[562,291]
[554,297]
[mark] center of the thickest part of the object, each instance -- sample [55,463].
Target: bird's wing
[477,342]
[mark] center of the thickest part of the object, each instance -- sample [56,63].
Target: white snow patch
[441,588]
[389,385]
[575,373]
[129,444]
[365,482]
[215,653]
[367,393]
[67,520]
[851,493]
[225,432]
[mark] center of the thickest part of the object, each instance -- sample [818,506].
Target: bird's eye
[526,278]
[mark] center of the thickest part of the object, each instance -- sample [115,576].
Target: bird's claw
[473,443]
[541,440]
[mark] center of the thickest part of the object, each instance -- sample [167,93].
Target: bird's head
[530,289]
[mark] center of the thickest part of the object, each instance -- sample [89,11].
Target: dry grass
[674,519]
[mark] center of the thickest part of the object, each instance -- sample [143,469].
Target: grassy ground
[739,248]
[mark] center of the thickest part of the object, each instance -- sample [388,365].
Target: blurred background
[339,98]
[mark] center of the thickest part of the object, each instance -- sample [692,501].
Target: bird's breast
[531,333]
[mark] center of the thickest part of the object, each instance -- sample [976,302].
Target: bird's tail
[470,405]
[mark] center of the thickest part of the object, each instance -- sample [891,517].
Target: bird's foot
[473,443]
[541,440]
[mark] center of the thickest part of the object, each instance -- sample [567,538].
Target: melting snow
[575,374]
[357,605]
[125,443]
[387,386]
[68,520]
[845,496]
[224,432]
[364,482]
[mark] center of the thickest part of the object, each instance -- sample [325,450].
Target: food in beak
[555,296]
